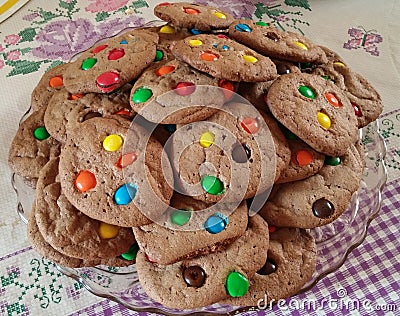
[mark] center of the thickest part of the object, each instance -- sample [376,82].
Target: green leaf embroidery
[276,12]
[298,3]
[101,16]
[67,5]
[27,35]
[23,67]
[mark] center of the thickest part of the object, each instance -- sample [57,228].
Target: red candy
[184,88]
[107,81]
[126,160]
[164,4]
[85,181]
[229,88]
[250,125]
[116,54]
[222,36]
[99,48]
[191,11]
[357,110]
[123,112]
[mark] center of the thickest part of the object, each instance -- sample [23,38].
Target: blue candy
[125,194]
[195,31]
[242,27]
[216,223]
[124,42]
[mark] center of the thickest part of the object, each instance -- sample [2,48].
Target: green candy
[332,161]
[261,23]
[88,63]
[181,217]
[212,185]
[159,55]
[141,94]
[130,255]
[307,92]
[41,133]
[236,284]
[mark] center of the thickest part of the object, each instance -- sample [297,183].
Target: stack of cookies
[202,150]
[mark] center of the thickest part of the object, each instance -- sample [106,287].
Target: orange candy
[191,11]
[304,157]
[56,82]
[126,160]
[75,96]
[123,112]
[250,125]
[85,181]
[164,70]
[333,100]
[208,56]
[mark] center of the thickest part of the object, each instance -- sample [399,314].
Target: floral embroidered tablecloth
[43,34]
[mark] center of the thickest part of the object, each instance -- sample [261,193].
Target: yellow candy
[219,15]
[167,29]
[250,59]
[339,63]
[301,45]
[113,142]
[207,139]
[195,43]
[107,231]
[324,120]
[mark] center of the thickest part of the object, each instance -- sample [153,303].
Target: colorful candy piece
[164,70]
[116,54]
[126,160]
[307,92]
[219,15]
[241,27]
[212,185]
[99,48]
[324,120]
[194,276]
[268,268]
[159,55]
[195,42]
[250,59]
[41,133]
[125,194]
[167,29]
[191,11]
[241,153]
[236,284]
[332,161]
[56,81]
[322,208]
[333,100]
[300,45]
[216,223]
[304,157]
[185,88]
[250,125]
[130,255]
[88,63]
[180,217]
[113,142]
[141,94]
[108,231]
[206,139]
[107,81]
[209,56]
[85,181]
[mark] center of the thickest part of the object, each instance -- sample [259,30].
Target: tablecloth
[44,33]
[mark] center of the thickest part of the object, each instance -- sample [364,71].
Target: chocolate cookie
[304,161]
[319,199]
[366,101]
[191,229]
[41,246]
[111,64]
[49,83]
[209,278]
[315,110]
[68,230]
[224,58]
[113,171]
[189,15]
[31,148]
[62,104]
[175,93]
[290,263]
[272,42]
[229,157]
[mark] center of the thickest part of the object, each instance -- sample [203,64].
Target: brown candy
[194,276]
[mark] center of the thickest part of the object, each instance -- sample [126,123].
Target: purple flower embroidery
[63,39]
[242,9]
[111,27]
[360,38]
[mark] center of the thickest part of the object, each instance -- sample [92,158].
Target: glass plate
[334,241]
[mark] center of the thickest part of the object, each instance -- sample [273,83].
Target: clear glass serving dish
[334,241]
